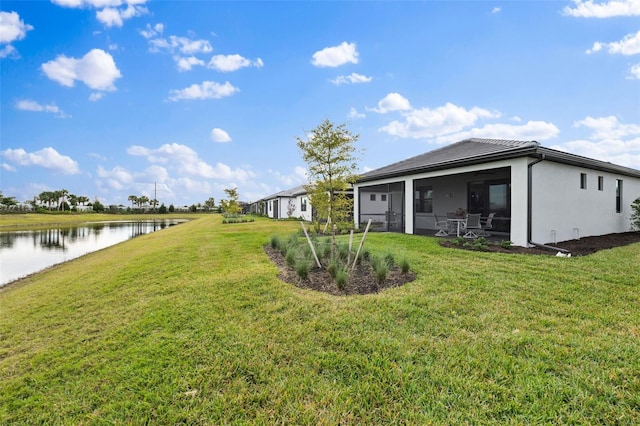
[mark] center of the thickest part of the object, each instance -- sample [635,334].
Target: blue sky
[111,98]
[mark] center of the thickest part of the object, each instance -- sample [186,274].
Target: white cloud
[392,102]
[8,167]
[96,96]
[602,9]
[629,45]
[608,127]
[152,31]
[532,130]
[496,10]
[186,63]
[8,50]
[353,113]
[219,135]
[336,56]
[634,72]
[12,28]
[112,13]
[117,178]
[29,105]
[297,177]
[114,17]
[48,158]
[183,45]
[430,123]
[609,140]
[187,162]
[353,79]
[96,69]
[206,90]
[229,63]
[183,49]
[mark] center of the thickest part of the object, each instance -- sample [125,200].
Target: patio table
[456,222]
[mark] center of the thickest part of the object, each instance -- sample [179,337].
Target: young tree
[330,153]
[231,206]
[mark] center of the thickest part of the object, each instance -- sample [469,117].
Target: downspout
[530,208]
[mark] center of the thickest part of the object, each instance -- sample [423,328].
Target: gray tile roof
[477,151]
[292,192]
[467,151]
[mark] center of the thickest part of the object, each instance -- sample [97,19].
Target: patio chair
[486,224]
[441,225]
[474,228]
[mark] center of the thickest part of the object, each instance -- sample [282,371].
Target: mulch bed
[582,247]
[363,280]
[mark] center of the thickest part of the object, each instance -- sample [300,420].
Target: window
[303,205]
[618,195]
[383,197]
[583,181]
[424,199]
[600,183]
[372,197]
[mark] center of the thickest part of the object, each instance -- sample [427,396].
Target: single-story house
[537,195]
[292,202]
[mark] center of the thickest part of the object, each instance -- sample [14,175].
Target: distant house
[292,202]
[538,195]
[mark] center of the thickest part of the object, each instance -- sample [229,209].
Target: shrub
[275,241]
[404,265]
[459,241]
[389,259]
[302,269]
[292,241]
[326,249]
[506,244]
[343,251]
[342,278]
[333,268]
[290,257]
[479,244]
[374,261]
[381,272]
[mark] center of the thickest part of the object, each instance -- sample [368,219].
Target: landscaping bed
[361,281]
[581,247]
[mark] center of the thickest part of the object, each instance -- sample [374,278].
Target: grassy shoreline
[12,222]
[191,325]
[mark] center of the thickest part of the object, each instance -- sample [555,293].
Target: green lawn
[191,325]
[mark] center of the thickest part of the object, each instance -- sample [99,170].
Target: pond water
[25,252]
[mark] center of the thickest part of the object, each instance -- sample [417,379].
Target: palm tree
[73,200]
[143,200]
[83,199]
[56,198]
[47,197]
[133,199]
[153,203]
[63,194]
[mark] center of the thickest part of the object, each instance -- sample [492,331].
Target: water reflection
[25,252]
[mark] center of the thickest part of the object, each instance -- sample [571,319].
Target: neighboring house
[292,202]
[538,195]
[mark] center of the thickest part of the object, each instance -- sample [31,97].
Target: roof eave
[523,152]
